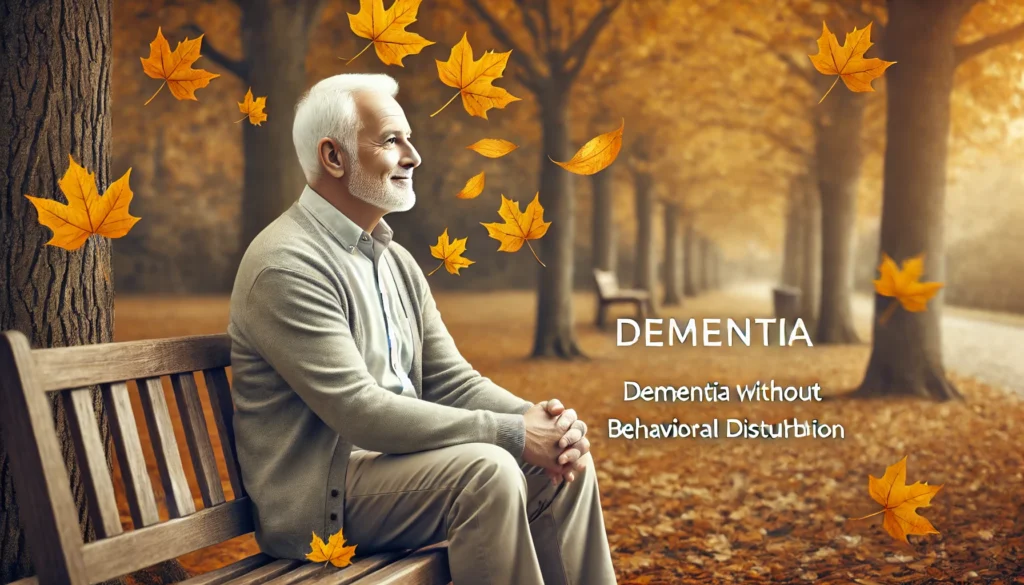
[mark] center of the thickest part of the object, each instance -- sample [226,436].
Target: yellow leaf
[474,186]
[901,501]
[903,285]
[473,79]
[386,29]
[595,155]
[176,68]
[848,61]
[492,147]
[253,109]
[450,253]
[519,227]
[85,213]
[333,551]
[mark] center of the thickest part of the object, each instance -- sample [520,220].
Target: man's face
[381,173]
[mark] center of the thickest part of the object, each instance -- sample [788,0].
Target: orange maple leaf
[253,109]
[848,61]
[473,79]
[900,502]
[386,30]
[176,68]
[332,551]
[519,226]
[85,213]
[450,253]
[904,285]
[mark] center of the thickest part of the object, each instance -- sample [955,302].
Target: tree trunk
[603,237]
[792,252]
[690,260]
[839,158]
[644,275]
[55,95]
[704,250]
[810,281]
[554,334]
[906,353]
[673,259]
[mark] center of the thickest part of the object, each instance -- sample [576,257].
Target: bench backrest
[607,282]
[30,379]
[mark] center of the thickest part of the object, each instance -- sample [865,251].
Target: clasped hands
[555,440]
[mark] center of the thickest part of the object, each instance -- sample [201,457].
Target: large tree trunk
[705,263]
[673,259]
[554,334]
[792,251]
[603,237]
[55,61]
[906,353]
[839,156]
[690,261]
[811,272]
[644,270]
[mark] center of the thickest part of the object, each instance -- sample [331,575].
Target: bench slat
[80,366]
[303,572]
[131,551]
[198,438]
[223,410]
[419,568]
[92,457]
[138,488]
[168,459]
[267,572]
[229,572]
[357,570]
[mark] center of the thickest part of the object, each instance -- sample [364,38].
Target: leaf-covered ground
[735,510]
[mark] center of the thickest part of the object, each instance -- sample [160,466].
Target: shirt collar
[341,227]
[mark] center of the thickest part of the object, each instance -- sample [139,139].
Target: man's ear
[332,158]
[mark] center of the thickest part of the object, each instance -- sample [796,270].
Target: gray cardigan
[303,396]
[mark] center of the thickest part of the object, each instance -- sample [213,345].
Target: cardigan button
[334,493]
[334,516]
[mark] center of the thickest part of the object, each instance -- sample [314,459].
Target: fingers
[565,420]
[553,406]
[575,452]
[576,432]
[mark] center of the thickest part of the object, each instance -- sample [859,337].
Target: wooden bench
[609,293]
[29,378]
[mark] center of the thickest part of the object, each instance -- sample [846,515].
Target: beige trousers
[505,524]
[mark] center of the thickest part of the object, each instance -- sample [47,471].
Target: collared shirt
[388,349]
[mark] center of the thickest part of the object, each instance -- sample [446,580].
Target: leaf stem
[888,312]
[438,266]
[868,516]
[157,91]
[535,254]
[242,120]
[347,61]
[829,89]
[446,105]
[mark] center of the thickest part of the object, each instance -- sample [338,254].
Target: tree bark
[906,353]
[811,274]
[55,61]
[673,259]
[705,263]
[603,237]
[690,260]
[792,252]
[644,275]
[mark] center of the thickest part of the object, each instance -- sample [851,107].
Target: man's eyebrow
[388,131]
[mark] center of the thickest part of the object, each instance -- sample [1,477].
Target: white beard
[381,193]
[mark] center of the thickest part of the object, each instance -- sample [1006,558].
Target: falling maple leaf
[596,154]
[333,551]
[492,147]
[901,501]
[519,226]
[903,284]
[450,253]
[85,213]
[473,79]
[848,62]
[176,68]
[474,186]
[386,30]
[253,109]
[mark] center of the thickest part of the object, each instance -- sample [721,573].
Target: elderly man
[355,409]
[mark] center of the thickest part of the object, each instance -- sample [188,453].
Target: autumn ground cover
[733,510]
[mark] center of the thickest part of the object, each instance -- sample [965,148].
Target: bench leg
[601,308]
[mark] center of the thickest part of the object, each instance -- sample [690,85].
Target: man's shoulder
[289,242]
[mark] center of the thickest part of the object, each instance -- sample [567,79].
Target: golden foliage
[386,30]
[492,147]
[333,551]
[901,501]
[176,68]
[518,227]
[473,79]
[596,154]
[253,109]
[904,285]
[474,186]
[450,253]
[848,61]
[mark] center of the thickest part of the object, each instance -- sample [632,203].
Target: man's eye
[392,140]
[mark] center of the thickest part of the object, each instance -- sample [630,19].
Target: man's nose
[411,159]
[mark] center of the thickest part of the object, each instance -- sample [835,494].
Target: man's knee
[493,471]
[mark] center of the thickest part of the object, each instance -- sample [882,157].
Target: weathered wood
[229,572]
[609,293]
[198,438]
[419,568]
[359,569]
[301,573]
[267,572]
[223,410]
[86,365]
[165,446]
[92,460]
[138,489]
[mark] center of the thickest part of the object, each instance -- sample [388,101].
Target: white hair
[328,110]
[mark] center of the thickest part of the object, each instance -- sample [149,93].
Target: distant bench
[43,491]
[609,293]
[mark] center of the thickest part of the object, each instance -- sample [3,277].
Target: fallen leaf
[333,551]
[386,30]
[848,61]
[253,109]
[519,227]
[492,147]
[474,186]
[176,68]
[595,155]
[903,284]
[900,502]
[473,79]
[450,253]
[85,213]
